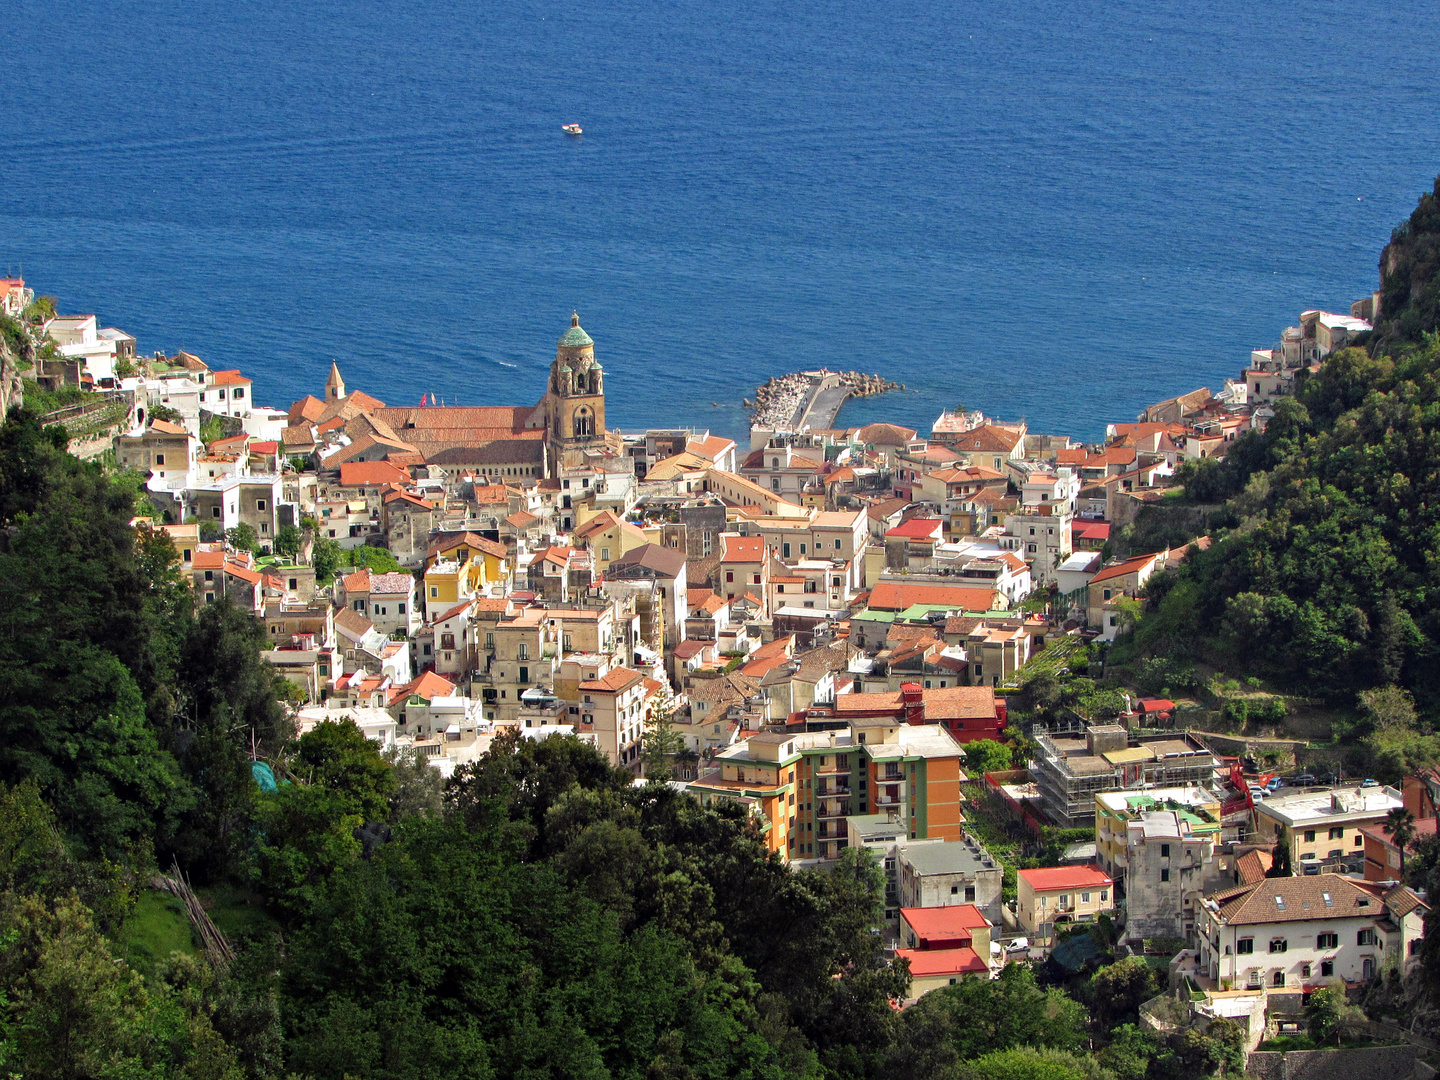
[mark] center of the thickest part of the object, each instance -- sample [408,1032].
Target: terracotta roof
[897,596]
[228,378]
[166,427]
[1253,866]
[456,610]
[1292,899]
[395,583]
[244,574]
[521,519]
[932,962]
[668,562]
[359,581]
[208,560]
[614,681]
[958,921]
[960,703]
[1129,566]
[1402,900]
[353,623]
[1050,878]
[885,435]
[712,447]
[469,539]
[427,685]
[491,493]
[988,438]
[742,549]
[361,473]
[918,528]
[887,508]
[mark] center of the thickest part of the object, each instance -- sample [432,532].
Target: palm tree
[1400,824]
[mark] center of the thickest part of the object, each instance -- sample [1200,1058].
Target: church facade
[565,432]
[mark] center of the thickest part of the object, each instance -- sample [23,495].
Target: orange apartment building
[805,784]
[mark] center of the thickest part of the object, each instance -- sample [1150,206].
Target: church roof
[575,337]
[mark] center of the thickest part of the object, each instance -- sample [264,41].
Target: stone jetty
[783,401]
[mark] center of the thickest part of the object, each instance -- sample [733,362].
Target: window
[1164,851]
[605,554]
[524,675]
[785,550]
[259,504]
[1327,968]
[954,890]
[1084,897]
[1309,836]
[159,459]
[1365,936]
[237,393]
[969,894]
[1327,941]
[1278,945]
[1278,978]
[215,511]
[489,640]
[523,652]
[1305,971]
[434,592]
[209,575]
[399,608]
[447,641]
[186,555]
[1337,834]
[1245,945]
[1165,874]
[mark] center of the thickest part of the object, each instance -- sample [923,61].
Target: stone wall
[1366,1063]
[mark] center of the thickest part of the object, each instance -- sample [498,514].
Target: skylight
[1328,901]
[1280,902]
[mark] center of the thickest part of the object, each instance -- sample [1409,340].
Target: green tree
[986,755]
[1400,824]
[1280,862]
[241,537]
[1326,1010]
[660,743]
[1119,989]
[419,787]
[288,542]
[1029,1063]
[981,1016]
[1130,1052]
[337,756]
[325,557]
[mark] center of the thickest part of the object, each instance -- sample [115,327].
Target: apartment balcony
[832,808]
[832,790]
[831,830]
[832,770]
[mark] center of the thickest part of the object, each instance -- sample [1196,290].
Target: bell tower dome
[334,385]
[575,417]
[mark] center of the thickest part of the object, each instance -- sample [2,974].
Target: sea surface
[1053,210]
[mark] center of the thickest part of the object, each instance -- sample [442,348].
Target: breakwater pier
[810,398]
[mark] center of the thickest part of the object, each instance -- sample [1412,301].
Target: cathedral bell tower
[575,399]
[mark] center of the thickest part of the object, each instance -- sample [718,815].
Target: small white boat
[572,129]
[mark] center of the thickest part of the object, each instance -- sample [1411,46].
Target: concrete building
[1326,825]
[1072,768]
[1170,867]
[933,873]
[1199,805]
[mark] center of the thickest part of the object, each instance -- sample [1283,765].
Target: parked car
[1305,779]
[1257,792]
[1367,782]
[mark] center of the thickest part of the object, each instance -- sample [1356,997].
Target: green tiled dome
[575,338]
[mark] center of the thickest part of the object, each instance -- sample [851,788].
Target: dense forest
[1324,575]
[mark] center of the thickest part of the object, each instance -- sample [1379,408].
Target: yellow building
[1114,810]
[463,566]
[1057,896]
[607,538]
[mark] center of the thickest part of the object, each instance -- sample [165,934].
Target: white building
[1300,933]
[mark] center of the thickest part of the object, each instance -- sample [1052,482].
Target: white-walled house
[1300,933]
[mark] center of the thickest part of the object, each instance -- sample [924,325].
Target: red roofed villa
[1055,896]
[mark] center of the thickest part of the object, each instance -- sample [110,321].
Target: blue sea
[1055,210]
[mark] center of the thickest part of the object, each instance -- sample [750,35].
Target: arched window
[584,423]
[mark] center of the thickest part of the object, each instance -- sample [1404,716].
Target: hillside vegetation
[1326,576]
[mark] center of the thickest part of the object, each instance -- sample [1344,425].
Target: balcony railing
[832,789]
[833,808]
[832,769]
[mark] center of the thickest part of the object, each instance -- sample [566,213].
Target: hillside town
[818,625]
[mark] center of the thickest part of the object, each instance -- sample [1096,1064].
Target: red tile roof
[917,529]
[228,378]
[897,596]
[944,961]
[614,681]
[743,549]
[944,923]
[1050,878]
[1129,566]
[364,473]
